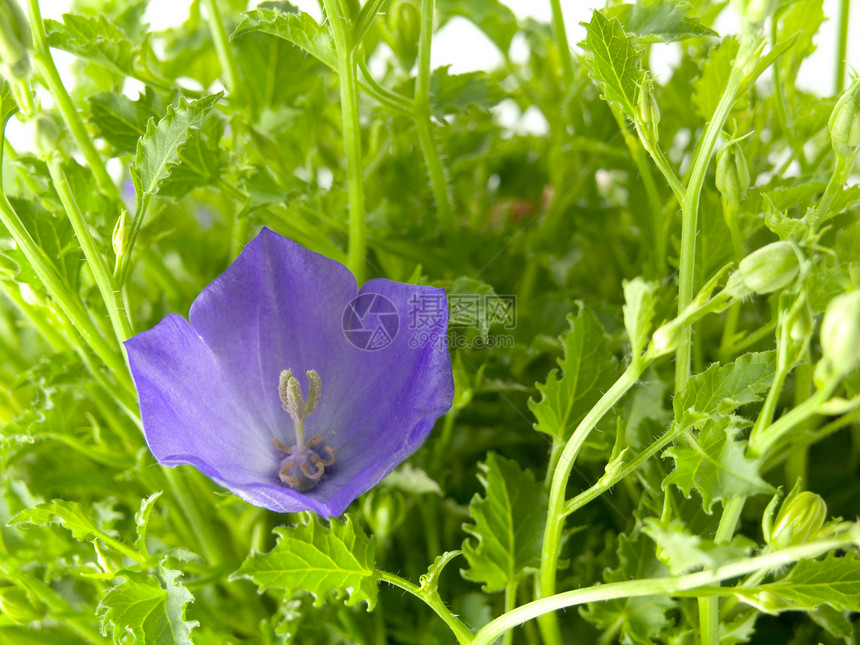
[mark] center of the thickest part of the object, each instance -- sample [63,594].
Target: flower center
[305,463]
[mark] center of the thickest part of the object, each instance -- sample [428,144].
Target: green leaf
[721,389]
[508,524]
[430,580]
[715,464]
[141,521]
[319,559]
[833,581]
[639,306]
[67,514]
[492,17]
[638,620]
[158,151]
[119,120]
[8,105]
[150,609]
[659,21]
[709,87]
[613,61]
[412,480]
[298,28]
[802,18]
[94,38]
[682,552]
[588,370]
[457,93]
[200,160]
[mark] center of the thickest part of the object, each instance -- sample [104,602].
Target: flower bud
[665,338]
[404,21]
[15,41]
[768,269]
[799,520]
[46,135]
[733,175]
[384,510]
[840,331]
[647,113]
[120,233]
[844,123]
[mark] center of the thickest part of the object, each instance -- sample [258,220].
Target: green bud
[46,134]
[768,269]
[384,510]
[647,113]
[404,21]
[665,338]
[799,520]
[754,11]
[119,238]
[15,41]
[840,331]
[733,175]
[844,124]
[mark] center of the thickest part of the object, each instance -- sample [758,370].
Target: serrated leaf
[457,93]
[94,38]
[614,61]
[200,160]
[149,609]
[119,120]
[508,524]
[638,620]
[720,389]
[682,552]
[412,480]
[834,581]
[141,521]
[588,369]
[318,559]
[67,514]
[659,21]
[802,19]
[298,28]
[158,151]
[492,17]
[638,312]
[709,87]
[715,464]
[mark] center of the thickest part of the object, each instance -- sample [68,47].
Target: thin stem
[690,211]
[842,50]
[462,633]
[510,604]
[424,126]
[687,585]
[212,550]
[797,461]
[389,99]
[750,340]
[666,169]
[545,586]
[341,32]
[560,35]
[110,294]
[655,207]
[51,77]
[222,48]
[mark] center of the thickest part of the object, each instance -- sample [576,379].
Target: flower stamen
[306,462]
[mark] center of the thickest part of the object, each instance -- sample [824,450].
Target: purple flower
[291,387]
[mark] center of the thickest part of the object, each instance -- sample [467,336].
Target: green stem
[111,296]
[842,50]
[61,294]
[461,632]
[841,169]
[750,340]
[212,550]
[51,77]
[560,35]
[395,102]
[341,32]
[545,586]
[424,126]
[666,169]
[510,604]
[690,211]
[760,444]
[658,227]
[686,585]
[797,461]
[222,48]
